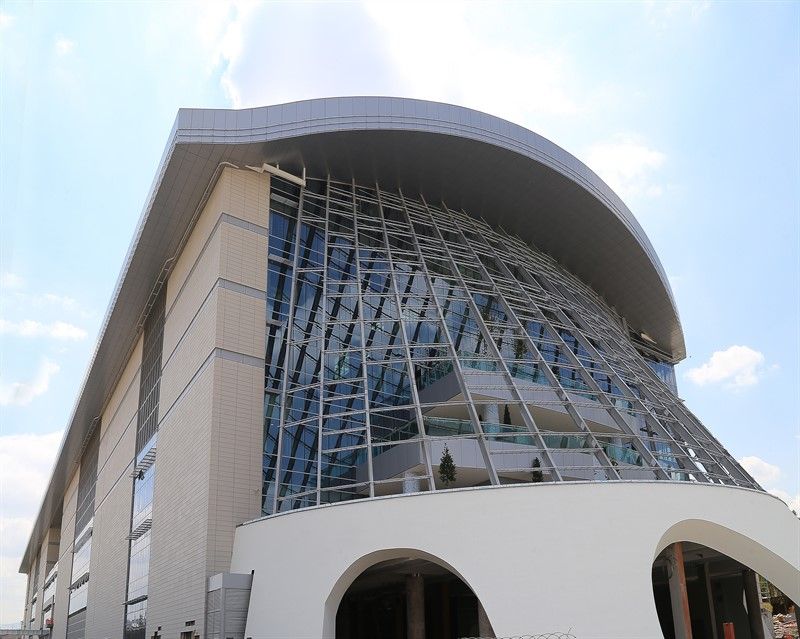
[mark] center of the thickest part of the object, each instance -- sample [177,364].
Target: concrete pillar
[677,592]
[491,414]
[712,611]
[415,607]
[484,625]
[752,594]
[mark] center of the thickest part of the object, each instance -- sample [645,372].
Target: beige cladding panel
[109,558]
[176,591]
[109,562]
[240,193]
[62,593]
[240,323]
[192,350]
[190,298]
[53,543]
[243,256]
[48,554]
[226,319]
[225,251]
[119,464]
[196,243]
[113,493]
[236,456]
[246,195]
[65,558]
[118,405]
[208,465]
[118,432]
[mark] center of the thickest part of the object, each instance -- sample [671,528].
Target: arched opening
[410,598]
[702,592]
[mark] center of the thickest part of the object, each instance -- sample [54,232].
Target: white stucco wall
[540,557]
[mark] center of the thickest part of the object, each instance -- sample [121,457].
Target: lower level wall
[61,604]
[59,615]
[109,567]
[179,537]
[540,557]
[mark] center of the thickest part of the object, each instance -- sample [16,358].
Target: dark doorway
[718,590]
[410,599]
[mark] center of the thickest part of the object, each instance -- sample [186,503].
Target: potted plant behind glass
[536,475]
[447,467]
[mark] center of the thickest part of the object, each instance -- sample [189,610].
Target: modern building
[326,305]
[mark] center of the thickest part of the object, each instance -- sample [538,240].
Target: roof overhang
[484,165]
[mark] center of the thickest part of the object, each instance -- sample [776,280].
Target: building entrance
[410,599]
[701,592]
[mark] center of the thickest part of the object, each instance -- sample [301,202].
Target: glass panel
[397,301]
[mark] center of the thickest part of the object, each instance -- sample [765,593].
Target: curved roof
[487,166]
[490,167]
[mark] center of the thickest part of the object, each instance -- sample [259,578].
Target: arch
[737,546]
[364,562]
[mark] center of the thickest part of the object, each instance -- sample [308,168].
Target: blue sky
[689,111]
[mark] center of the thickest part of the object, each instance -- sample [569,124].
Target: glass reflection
[397,326]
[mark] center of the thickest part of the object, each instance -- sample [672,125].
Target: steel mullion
[694,427]
[620,351]
[627,361]
[618,418]
[601,455]
[713,440]
[289,330]
[426,450]
[588,378]
[620,381]
[323,328]
[624,385]
[530,422]
[363,348]
[490,469]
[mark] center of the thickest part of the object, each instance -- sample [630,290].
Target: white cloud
[11,281]
[64,46]
[221,28]
[31,328]
[25,464]
[64,302]
[767,475]
[61,300]
[5,20]
[23,302]
[449,59]
[14,284]
[763,472]
[627,166]
[737,367]
[23,393]
[663,13]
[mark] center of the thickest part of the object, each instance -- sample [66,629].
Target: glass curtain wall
[398,327]
[144,472]
[82,545]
